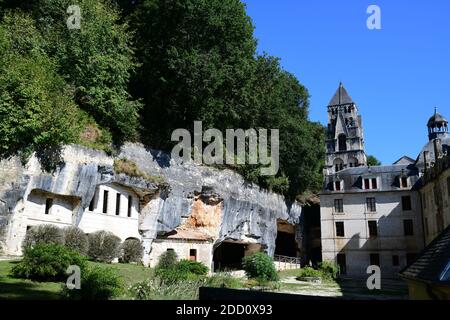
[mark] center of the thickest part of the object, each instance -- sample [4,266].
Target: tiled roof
[432,261]
[186,234]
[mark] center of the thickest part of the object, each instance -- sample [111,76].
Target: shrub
[103,246]
[157,289]
[44,233]
[47,262]
[167,260]
[194,267]
[329,270]
[309,272]
[76,239]
[130,168]
[97,283]
[223,280]
[260,266]
[131,251]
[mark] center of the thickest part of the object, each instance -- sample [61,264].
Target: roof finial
[435,109]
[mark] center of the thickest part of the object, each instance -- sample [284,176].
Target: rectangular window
[395,261]
[371,205]
[366,184]
[404,182]
[48,205]
[92,203]
[338,205]
[340,229]
[193,254]
[170,249]
[408,227]
[337,186]
[374,259]
[374,183]
[118,204]
[342,263]
[406,203]
[105,201]
[130,205]
[373,229]
[427,231]
[424,200]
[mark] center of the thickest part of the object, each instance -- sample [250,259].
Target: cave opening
[228,256]
[285,244]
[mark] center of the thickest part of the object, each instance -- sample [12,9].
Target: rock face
[221,203]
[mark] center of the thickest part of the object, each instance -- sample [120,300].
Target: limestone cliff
[219,203]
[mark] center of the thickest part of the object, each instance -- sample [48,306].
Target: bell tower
[344,141]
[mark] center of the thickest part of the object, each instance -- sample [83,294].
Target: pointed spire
[341,96]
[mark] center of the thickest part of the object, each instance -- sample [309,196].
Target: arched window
[342,142]
[353,162]
[338,164]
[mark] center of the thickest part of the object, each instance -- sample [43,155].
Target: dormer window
[403,182]
[370,183]
[337,185]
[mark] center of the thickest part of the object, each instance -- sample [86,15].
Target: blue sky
[396,75]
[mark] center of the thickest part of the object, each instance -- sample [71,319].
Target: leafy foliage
[194,267]
[36,110]
[223,280]
[309,272]
[97,283]
[329,269]
[167,260]
[76,239]
[43,234]
[131,251]
[103,246]
[47,262]
[159,289]
[260,266]
[97,60]
[372,161]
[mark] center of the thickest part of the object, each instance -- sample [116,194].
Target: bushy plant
[194,267]
[167,260]
[131,250]
[76,239]
[158,289]
[260,266]
[41,234]
[97,283]
[47,262]
[103,246]
[223,280]
[309,272]
[329,270]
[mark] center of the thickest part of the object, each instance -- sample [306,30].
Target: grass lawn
[20,289]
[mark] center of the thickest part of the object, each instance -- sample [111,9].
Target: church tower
[344,141]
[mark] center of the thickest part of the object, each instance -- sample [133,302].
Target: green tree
[196,60]
[372,161]
[36,110]
[96,59]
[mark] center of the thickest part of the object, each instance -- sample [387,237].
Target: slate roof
[436,120]
[389,177]
[340,97]
[432,262]
[445,142]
